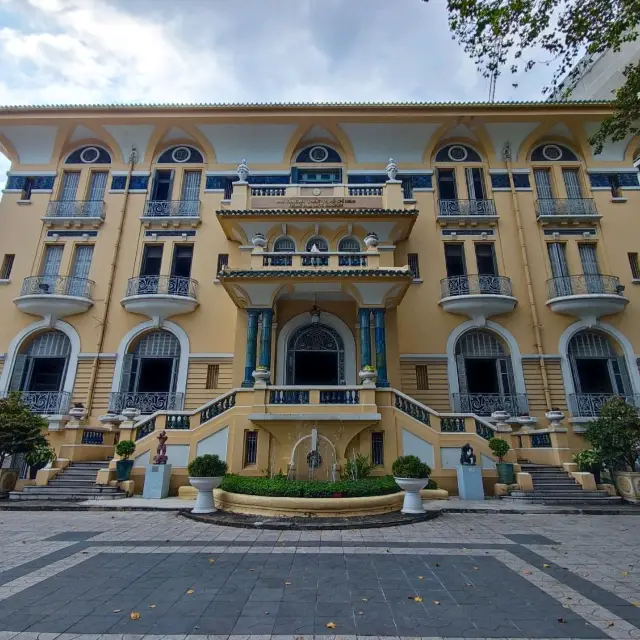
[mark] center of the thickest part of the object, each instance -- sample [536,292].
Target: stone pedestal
[156,481]
[470,482]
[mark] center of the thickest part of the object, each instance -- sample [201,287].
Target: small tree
[499,447]
[125,449]
[616,434]
[20,428]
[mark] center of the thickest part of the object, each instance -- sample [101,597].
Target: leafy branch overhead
[518,33]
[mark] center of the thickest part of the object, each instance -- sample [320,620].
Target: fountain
[318,462]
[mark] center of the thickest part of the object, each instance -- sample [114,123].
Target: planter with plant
[589,460]
[368,375]
[38,458]
[205,475]
[124,450]
[615,435]
[500,448]
[411,475]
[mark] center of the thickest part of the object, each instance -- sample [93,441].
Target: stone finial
[243,170]
[371,240]
[500,418]
[259,240]
[161,451]
[506,151]
[392,170]
[555,417]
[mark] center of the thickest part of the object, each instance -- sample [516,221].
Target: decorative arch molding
[144,327]
[28,332]
[295,144]
[632,147]
[612,332]
[81,150]
[512,343]
[472,145]
[8,149]
[329,320]
[541,135]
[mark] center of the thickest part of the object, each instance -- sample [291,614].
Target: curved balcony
[566,210]
[484,404]
[176,212]
[160,297]
[47,403]
[75,211]
[145,402]
[589,405]
[55,296]
[477,296]
[587,296]
[466,211]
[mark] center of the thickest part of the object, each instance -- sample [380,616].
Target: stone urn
[628,485]
[259,240]
[371,240]
[204,499]
[500,418]
[261,377]
[555,417]
[77,413]
[392,170]
[131,414]
[243,171]
[368,377]
[412,487]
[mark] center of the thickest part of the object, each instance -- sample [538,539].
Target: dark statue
[161,451]
[466,455]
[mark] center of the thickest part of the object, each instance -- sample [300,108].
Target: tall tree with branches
[511,34]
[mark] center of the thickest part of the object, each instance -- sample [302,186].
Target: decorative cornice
[229,274]
[316,212]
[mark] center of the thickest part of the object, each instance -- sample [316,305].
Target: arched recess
[327,319]
[144,327]
[29,332]
[511,342]
[343,146]
[7,149]
[624,344]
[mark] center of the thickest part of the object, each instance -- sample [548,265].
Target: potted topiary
[589,460]
[205,474]
[500,449]
[124,450]
[411,475]
[39,458]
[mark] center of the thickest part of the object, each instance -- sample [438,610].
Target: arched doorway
[315,356]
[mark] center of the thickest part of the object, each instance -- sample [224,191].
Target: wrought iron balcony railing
[172,209]
[589,405]
[57,286]
[147,402]
[47,403]
[566,207]
[75,209]
[162,285]
[467,208]
[277,259]
[473,285]
[484,404]
[585,284]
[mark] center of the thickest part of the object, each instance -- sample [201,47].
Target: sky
[118,51]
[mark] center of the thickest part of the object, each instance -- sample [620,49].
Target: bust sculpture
[467,456]
[161,451]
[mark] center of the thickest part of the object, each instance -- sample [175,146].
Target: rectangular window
[614,185]
[182,259]
[26,189]
[546,204]
[486,259]
[635,267]
[213,372]
[414,265]
[7,265]
[590,268]
[250,448]
[191,185]
[70,182]
[559,269]
[572,183]
[97,185]
[223,261]
[422,378]
[162,184]
[377,447]
[51,260]
[151,260]
[454,259]
[475,183]
[80,270]
[447,184]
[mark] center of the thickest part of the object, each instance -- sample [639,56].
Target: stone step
[559,494]
[62,490]
[78,496]
[68,482]
[91,467]
[557,487]
[565,501]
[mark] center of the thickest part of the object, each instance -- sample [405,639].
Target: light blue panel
[414,446]
[216,444]
[142,460]
[470,482]
[178,455]
[156,481]
[486,462]
[450,457]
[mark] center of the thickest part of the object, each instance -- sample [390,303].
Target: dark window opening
[635,267]
[316,367]
[182,259]
[593,374]
[447,184]
[454,259]
[162,183]
[26,189]
[7,265]
[45,374]
[475,184]
[377,447]
[213,373]
[482,375]
[155,375]
[486,259]
[422,378]
[223,261]
[151,260]
[250,447]
[414,265]
[614,185]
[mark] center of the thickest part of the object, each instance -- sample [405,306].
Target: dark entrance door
[316,367]
[155,375]
[482,376]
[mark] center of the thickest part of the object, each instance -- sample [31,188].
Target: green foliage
[207,466]
[40,455]
[279,486]
[616,434]
[499,447]
[358,468]
[20,428]
[520,34]
[410,467]
[587,459]
[125,449]
[368,367]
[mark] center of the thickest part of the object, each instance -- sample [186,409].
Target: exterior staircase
[554,486]
[77,482]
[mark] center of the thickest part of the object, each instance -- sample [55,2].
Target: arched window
[284,245]
[457,153]
[598,372]
[349,245]
[548,203]
[317,154]
[181,154]
[317,244]
[315,355]
[39,372]
[89,155]
[485,376]
[149,375]
[453,180]
[553,153]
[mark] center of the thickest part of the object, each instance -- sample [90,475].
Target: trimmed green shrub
[499,447]
[41,455]
[279,486]
[125,449]
[410,467]
[587,459]
[207,466]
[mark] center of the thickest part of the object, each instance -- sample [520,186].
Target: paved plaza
[67,575]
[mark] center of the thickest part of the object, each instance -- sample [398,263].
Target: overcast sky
[97,51]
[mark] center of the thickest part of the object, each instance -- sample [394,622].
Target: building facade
[387,277]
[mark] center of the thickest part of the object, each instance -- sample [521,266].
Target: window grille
[158,344]
[7,265]
[223,261]
[589,344]
[284,245]
[250,448]
[320,243]
[350,245]
[633,263]
[479,344]
[377,447]
[414,265]
[52,344]
[213,372]
[422,378]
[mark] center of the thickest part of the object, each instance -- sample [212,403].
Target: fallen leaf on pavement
[475,568]
[527,572]
[417,599]
[287,583]
[610,624]
[152,606]
[420,577]
[190,591]
[436,602]
[546,566]
[117,610]
[134,615]
[330,625]
[625,573]
[636,604]
[212,560]
[365,599]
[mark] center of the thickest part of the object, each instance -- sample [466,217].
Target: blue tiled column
[381,348]
[252,346]
[365,337]
[265,338]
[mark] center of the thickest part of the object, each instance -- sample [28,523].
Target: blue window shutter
[18,372]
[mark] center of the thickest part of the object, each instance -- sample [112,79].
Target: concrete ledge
[310,417]
[585,479]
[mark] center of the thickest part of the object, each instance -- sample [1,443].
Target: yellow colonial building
[400,278]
